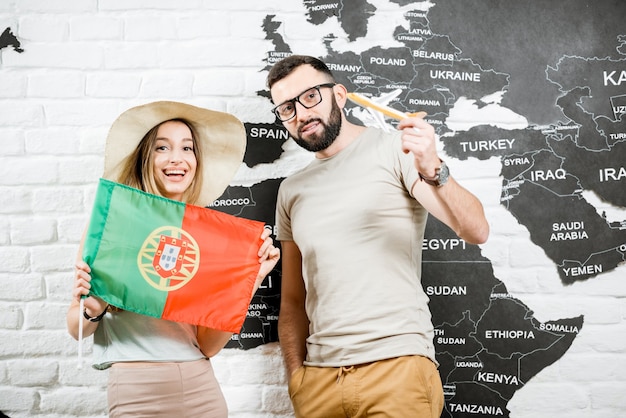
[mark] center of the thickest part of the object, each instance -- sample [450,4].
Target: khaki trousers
[181,390]
[402,387]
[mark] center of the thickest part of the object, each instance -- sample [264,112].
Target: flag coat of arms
[170,260]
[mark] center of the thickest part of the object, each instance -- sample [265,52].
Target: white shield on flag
[169,257]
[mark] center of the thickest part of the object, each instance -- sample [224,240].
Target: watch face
[443,173]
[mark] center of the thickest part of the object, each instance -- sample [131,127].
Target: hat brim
[222,135]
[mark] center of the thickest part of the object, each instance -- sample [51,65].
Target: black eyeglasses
[309,98]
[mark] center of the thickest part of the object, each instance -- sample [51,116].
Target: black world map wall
[551,79]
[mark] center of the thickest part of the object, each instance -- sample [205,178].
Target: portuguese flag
[170,260]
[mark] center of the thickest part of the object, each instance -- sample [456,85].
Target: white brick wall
[86,61]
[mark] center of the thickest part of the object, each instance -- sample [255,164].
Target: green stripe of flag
[121,221]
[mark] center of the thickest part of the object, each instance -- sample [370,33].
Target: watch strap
[95,318]
[440,178]
[433,181]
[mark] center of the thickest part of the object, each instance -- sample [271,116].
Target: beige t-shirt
[360,233]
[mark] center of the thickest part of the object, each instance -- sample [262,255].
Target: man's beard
[331,130]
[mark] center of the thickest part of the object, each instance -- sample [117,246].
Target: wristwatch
[441,176]
[95,318]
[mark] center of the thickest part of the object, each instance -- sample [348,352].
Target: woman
[158,367]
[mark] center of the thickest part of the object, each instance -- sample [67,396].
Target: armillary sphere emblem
[169,258]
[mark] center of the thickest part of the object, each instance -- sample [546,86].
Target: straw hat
[222,135]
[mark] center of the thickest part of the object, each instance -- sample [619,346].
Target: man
[354,325]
